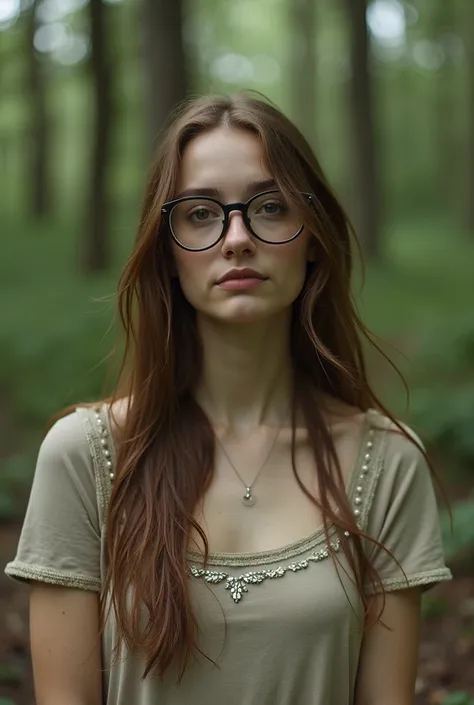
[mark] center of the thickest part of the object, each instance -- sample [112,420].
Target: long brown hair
[165,442]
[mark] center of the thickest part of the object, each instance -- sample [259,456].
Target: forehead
[225,158]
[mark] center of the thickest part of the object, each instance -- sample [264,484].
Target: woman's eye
[200,214]
[272,208]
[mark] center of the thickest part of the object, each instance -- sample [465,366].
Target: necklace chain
[248,499]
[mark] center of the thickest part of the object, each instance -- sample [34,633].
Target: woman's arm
[65,645]
[389,659]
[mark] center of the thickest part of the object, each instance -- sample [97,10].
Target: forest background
[383,90]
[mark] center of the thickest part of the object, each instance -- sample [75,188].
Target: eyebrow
[252,188]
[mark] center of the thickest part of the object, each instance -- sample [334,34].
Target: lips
[245,273]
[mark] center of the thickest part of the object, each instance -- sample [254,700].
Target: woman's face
[229,164]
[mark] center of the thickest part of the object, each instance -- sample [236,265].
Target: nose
[237,240]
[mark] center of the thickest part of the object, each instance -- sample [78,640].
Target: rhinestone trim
[238,585]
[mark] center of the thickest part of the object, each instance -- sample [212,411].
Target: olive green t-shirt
[283,627]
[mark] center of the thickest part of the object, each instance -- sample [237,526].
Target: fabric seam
[49,575]
[423,578]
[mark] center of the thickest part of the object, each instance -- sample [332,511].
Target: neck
[247,375]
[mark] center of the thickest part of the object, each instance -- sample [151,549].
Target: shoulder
[396,439]
[399,455]
[64,457]
[67,436]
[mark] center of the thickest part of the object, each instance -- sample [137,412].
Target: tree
[96,250]
[366,192]
[470,179]
[166,72]
[444,133]
[303,65]
[40,123]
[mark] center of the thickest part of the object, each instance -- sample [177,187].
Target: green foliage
[16,475]
[53,339]
[435,332]
[8,506]
[442,409]
[461,539]
[421,300]
[442,402]
[9,675]
[55,332]
[458,698]
[433,607]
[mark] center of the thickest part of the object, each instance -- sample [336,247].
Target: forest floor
[446,653]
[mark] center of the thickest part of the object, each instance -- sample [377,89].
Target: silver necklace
[248,499]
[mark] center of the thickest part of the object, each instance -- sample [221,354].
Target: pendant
[248,500]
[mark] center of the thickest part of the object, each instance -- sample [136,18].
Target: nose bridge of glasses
[231,210]
[232,207]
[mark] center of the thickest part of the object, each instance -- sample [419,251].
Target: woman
[269,526]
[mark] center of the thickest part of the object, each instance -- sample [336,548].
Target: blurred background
[383,90]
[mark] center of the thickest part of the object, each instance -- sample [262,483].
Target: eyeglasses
[198,223]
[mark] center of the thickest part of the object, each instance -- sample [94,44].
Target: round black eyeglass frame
[167,209]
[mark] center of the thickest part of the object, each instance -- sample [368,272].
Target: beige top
[279,624]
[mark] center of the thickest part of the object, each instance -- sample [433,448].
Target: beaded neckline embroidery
[237,585]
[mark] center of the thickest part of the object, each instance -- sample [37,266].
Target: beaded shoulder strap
[367,474]
[97,429]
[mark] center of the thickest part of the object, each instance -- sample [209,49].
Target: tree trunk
[365,189]
[444,134]
[470,150]
[96,245]
[303,66]
[39,167]
[166,74]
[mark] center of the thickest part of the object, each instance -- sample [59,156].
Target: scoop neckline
[303,544]
[297,547]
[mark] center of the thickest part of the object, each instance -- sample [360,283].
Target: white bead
[358,500]
[365,468]
[357,512]
[367,456]
[370,444]
[111,475]
[359,488]
[346,534]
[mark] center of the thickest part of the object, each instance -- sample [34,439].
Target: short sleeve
[404,518]
[60,537]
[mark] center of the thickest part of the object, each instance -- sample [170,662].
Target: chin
[245,311]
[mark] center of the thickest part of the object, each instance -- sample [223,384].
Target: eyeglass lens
[198,223]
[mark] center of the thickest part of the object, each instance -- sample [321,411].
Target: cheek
[292,265]
[190,269]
